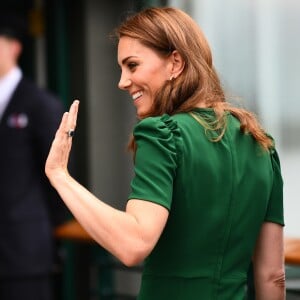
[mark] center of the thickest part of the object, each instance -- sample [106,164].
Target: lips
[137,95]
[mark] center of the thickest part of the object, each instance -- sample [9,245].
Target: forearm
[268,263]
[117,231]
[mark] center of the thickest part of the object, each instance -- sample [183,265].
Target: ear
[16,48]
[177,64]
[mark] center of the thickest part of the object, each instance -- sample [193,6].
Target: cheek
[158,81]
[154,76]
[158,76]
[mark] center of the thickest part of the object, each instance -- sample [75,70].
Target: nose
[124,82]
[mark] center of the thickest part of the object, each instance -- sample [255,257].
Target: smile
[137,95]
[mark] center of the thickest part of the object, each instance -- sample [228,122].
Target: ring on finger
[71,132]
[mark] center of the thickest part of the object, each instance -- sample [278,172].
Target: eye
[132,65]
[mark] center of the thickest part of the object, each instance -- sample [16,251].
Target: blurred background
[256,46]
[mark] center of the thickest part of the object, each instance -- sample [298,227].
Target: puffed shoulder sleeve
[275,212]
[156,159]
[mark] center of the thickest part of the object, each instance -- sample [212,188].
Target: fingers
[72,116]
[58,156]
[69,120]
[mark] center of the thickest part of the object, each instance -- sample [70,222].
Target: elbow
[274,279]
[133,256]
[270,285]
[131,261]
[278,278]
[274,276]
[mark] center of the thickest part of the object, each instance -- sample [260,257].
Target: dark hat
[13,25]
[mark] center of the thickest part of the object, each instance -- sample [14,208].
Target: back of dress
[220,197]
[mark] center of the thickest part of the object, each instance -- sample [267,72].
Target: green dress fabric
[218,195]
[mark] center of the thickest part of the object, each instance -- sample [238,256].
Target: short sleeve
[275,212]
[156,160]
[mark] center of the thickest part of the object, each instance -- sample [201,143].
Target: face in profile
[143,72]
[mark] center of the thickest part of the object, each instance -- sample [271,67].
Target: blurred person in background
[206,198]
[29,208]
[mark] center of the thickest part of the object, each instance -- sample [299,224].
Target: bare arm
[129,235]
[268,263]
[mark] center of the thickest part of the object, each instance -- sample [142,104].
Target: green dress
[218,195]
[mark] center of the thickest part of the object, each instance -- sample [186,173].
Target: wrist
[58,176]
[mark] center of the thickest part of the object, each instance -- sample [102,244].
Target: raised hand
[58,157]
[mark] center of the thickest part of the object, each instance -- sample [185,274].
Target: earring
[172,77]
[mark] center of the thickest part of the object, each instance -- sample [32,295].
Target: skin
[268,263]
[10,50]
[144,71]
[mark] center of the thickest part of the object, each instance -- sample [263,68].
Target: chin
[142,114]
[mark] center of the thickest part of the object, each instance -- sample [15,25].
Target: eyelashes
[132,65]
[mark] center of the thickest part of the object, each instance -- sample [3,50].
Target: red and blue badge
[17,120]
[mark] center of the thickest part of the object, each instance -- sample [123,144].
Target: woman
[207,192]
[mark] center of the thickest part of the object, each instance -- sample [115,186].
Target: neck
[7,68]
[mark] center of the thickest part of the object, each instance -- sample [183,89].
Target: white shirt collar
[8,84]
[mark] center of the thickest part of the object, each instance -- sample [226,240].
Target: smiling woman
[205,174]
[145,71]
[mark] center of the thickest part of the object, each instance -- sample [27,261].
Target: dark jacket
[29,206]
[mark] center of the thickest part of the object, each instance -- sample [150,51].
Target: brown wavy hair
[166,29]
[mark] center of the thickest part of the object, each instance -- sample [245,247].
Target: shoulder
[164,125]
[29,88]
[37,96]
[161,132]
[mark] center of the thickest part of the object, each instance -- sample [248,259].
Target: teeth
[137,95]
